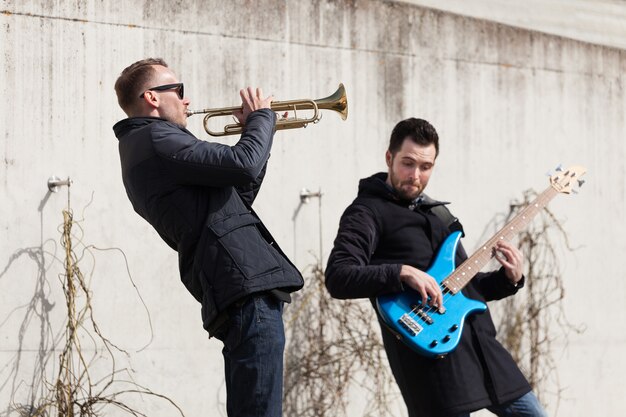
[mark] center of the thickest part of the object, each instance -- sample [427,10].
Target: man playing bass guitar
[387,238]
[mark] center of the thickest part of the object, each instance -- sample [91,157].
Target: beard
[406,190]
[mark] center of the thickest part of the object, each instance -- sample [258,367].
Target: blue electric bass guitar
[435,332]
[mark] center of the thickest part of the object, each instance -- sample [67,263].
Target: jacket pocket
[240,237]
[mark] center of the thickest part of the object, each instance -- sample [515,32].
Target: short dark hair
[418,130]
[133,79]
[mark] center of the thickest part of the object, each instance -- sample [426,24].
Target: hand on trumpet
[251,100]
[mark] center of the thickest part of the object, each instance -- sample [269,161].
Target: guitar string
[414,312]
[446,292]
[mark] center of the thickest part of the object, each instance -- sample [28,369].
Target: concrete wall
[597,21]
[509,104]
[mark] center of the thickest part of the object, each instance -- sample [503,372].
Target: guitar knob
[454,328]
[446,339]
[433,343]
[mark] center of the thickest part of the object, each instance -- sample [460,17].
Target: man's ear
[388,158]
[151,99]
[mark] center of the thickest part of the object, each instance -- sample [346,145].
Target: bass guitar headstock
[564,180]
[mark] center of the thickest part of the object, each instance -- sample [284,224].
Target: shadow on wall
[35,314]
[305,198]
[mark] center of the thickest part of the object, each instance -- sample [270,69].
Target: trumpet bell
[338,101]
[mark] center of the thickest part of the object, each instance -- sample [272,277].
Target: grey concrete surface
[601,22]
[509,104]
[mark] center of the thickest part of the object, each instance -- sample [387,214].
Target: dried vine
[334,349]
[529,323]
[78,390]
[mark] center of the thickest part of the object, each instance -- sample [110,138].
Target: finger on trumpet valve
[284,116]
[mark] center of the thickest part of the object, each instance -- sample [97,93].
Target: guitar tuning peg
[548,173]
[581,182]
[559,168]
[574,191]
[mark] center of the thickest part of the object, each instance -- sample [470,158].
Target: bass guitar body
[430,331]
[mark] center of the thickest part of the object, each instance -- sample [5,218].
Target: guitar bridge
[410,324]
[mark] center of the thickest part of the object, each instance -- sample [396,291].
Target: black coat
[377,235]
[198,196]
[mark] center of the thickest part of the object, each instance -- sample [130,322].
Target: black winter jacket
[198,196]
[377,235]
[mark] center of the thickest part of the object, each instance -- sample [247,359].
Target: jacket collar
[123,127]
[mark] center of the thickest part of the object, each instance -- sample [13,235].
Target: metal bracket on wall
[55,182]
[305,195]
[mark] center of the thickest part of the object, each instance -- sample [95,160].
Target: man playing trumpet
[198,197]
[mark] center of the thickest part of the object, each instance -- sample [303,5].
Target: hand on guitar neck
[423,283]
[512,259]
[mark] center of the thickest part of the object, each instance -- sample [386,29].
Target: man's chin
[409,195]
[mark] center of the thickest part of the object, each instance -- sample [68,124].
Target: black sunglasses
[180,89]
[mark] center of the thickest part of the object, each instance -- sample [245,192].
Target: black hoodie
[378,233]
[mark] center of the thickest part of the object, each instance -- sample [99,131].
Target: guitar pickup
[410,324]
[419,310]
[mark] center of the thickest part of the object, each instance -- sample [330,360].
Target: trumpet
[337,102]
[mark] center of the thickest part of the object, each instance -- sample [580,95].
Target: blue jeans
[525,406]
[254,341]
